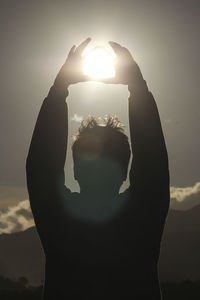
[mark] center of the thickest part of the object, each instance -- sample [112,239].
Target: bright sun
[99,64]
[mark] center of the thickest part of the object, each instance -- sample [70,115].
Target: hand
[71,72]
[126,69]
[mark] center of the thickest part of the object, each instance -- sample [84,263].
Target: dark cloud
[17,227]
[25,213]
[3,210]
[3,225]
[12,219]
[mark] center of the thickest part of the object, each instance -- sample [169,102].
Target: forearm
[147,140]
[48,147]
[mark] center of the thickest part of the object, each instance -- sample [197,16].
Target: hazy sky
[36,36]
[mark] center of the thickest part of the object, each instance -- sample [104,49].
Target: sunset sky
[36,36]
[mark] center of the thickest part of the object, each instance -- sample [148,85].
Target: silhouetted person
[100,244]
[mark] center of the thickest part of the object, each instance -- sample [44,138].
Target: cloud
[24,212]
[185,197]
[77,118]
[16,218]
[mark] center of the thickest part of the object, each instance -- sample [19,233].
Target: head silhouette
[101,154]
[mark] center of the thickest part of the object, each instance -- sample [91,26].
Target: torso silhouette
[99,248]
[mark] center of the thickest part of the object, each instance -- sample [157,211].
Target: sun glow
[99,64]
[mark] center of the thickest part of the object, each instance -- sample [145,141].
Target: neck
[99,193]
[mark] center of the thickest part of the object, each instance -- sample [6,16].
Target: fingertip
[114,44]
[73,47]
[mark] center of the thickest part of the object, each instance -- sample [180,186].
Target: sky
[163,37]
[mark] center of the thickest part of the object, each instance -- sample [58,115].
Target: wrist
[58,91]
[138,86]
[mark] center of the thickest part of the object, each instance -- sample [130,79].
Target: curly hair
[103,137]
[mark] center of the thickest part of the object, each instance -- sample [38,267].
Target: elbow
[31,164]
[28,162]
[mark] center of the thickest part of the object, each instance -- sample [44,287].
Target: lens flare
[99,64]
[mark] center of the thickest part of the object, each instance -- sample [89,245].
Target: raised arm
[149,176]
[47,153]
[149,170]
[46,157]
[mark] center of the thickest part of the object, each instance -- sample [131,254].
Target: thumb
[70,52]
